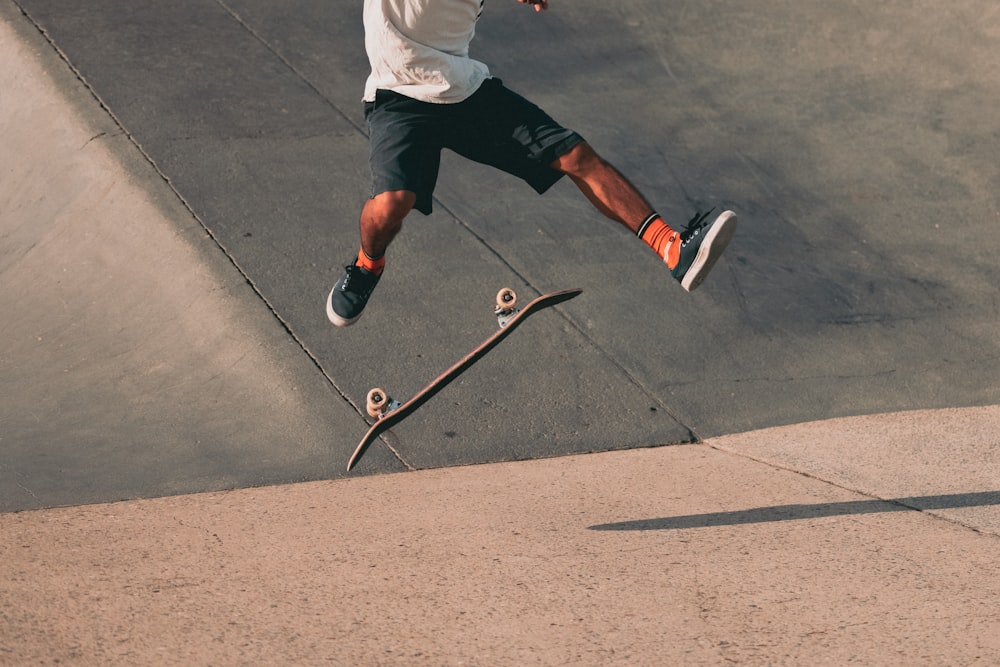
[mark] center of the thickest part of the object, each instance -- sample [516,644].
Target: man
[425,93]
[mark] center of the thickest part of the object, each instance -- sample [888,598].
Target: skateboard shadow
[798,512]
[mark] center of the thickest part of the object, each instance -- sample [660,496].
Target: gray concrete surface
[136,360]
[180,184]
[855,142]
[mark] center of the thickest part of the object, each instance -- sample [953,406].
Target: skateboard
[389,412]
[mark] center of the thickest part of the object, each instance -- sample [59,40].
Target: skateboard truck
[379,404]
[506,306]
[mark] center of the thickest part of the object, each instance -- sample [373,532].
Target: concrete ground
[179,187]
[783,546]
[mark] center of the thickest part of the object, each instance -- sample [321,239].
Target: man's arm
[539,4]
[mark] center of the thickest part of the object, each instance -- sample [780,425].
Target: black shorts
[495,126]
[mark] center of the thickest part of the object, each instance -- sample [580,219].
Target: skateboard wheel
[377,402]
[506,299]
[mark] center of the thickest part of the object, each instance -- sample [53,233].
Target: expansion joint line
[897,502]
[288,64]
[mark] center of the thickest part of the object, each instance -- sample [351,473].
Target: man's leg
[689,254]
[381,219]
[606,188]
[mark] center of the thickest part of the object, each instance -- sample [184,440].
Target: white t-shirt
[420,48]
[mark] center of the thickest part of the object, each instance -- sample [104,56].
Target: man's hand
[539,4]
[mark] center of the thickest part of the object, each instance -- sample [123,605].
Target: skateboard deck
[508,318]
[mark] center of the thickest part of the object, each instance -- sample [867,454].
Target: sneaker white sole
[334,317]
[716,240]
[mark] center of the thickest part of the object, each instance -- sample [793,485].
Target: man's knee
[393,205]
[579,160]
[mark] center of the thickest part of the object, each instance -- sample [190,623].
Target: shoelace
[695,225]
[349,270]
[354,273]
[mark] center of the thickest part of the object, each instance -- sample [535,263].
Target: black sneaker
[701,245]
[349,296]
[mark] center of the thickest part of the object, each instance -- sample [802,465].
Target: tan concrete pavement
[694,554]
[946,462]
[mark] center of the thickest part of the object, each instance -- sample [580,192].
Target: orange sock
[368,264]
[659,236]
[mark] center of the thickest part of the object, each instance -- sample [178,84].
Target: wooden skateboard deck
[509,322]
